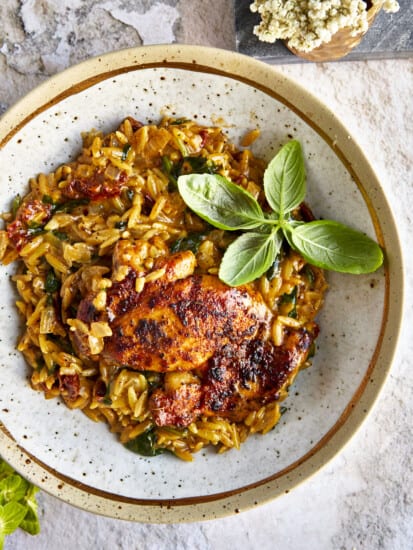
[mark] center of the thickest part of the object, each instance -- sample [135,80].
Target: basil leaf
[220,202]
[284,179]
[248,257]
[332,245]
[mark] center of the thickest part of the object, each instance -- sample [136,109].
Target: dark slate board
[390,36]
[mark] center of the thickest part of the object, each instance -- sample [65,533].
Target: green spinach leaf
[191,242]
[144,444]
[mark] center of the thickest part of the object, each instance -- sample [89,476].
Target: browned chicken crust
[188,322]
[236,380]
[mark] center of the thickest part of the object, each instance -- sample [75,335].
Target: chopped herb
[61,235]
[53,368]
[52,283]
[290,299]
[70,205]
[283,410]
[125,151]
[47,199]
[15,204]
[187,165]
[191,242]
[106,398]
[39,363]
[179,121]
[198,165]
[169,168]
[63,343]
[153,378]
[144,444]
[312,351]
[35,228]
[309,273]
[167,164]
[122,225]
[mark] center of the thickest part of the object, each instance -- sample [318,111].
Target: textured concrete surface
[363,498]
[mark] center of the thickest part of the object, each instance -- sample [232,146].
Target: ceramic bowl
[81,462]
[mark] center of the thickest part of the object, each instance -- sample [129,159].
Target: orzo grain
[104,231]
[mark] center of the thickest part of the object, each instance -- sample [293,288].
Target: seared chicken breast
[178,321]
[234,382]
[211,340]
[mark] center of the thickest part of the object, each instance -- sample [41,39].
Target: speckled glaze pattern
[81,462]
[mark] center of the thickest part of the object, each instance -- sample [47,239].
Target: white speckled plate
[81,462]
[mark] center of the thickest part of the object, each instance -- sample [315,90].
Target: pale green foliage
[18,505]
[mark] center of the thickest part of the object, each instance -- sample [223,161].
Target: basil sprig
[323,243]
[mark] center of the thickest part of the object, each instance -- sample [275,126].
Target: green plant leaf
[11,515]
[248,257]
[284,179]
[145,444]
[31,523]
[332,245]
[223,204]
[18,503]
[220,202]
[5,469]
[191,242]
[13,487]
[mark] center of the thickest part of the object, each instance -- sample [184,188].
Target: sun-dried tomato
[96,187]
[30,219]
[69,385]
[204,135]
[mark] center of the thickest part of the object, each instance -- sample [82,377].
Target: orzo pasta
[125,316]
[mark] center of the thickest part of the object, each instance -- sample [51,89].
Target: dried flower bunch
[307,24]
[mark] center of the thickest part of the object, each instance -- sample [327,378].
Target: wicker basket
[341,43]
